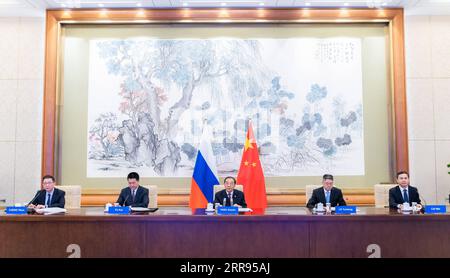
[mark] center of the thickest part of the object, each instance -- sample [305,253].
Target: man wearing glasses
[49,196]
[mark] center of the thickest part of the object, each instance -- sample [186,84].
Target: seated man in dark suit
[326,194]
[49,196]
[403,193]
[134,195]
[231,196]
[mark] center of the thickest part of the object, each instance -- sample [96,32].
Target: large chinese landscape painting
[150,98]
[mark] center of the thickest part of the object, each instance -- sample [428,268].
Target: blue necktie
[48,200]
[405,196]
[327,196]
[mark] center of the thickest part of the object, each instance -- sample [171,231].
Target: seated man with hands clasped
[230,196]
[49,196]
[134,195]
[327,194]
[403,193]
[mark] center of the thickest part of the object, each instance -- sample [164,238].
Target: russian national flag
[205,174]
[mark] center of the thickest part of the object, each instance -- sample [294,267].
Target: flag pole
[205,123]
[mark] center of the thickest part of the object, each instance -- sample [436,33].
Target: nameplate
[435,209]
[228,210]
[119,210]
[345,209]
[16,210]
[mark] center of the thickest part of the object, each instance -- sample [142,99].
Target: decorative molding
[393,17]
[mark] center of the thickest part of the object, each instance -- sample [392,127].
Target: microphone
[224,202]
[35,197]
[124,202]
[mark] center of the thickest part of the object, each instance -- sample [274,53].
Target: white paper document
[47,211]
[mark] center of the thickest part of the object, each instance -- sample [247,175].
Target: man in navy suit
[403,193]
[134,195]
[49,196]
[231,196]
[326,194]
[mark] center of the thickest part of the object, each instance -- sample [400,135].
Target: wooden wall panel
[146,16]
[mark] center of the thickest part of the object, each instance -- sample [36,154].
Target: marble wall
[428,97]
[21,93]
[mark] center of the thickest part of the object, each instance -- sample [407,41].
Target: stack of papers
[48,211]
[245,210]
[141,209]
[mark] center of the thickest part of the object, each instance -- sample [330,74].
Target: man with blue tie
[403,193]
[134,195]
[49,196]
[327,194]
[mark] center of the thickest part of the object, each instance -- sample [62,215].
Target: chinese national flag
[251,174]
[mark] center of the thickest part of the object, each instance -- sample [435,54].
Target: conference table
[179,232]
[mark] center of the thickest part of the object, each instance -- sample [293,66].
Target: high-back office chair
[219,187]
[309,189]
[152,195]
[381,194]
[73,195]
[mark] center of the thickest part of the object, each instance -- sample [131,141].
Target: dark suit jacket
[238,198]
[58,199]
[396,196]
[140,200]
[318,196]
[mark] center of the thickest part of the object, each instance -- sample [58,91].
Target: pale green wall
[74,94]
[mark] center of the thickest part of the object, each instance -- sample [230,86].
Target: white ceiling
[38,7]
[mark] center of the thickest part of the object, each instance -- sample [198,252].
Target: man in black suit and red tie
[326,194]
[232,197]
[134,195]
[403,192]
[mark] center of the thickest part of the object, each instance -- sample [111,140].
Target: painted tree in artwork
[103,133]
[152,68]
